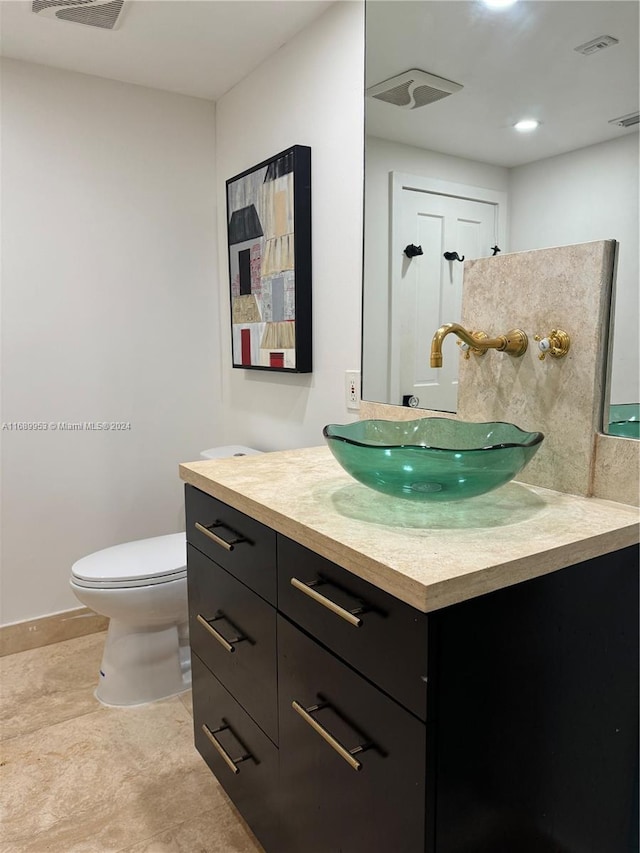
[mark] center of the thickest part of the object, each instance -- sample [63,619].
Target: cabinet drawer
[240,544]
[233,631]
[386,641]
[241,756]
[339,798]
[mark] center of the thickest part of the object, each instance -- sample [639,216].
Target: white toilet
[142,587]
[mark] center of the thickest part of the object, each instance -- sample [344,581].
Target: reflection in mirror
[447,171]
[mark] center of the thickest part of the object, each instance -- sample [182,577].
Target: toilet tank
[228,450]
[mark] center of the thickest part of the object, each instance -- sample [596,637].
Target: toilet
[142,587]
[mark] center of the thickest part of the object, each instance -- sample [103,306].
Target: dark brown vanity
[341,719]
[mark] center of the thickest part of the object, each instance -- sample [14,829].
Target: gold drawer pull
[308,589]
[226,644]
[342,751]
[228,546]
[230,762]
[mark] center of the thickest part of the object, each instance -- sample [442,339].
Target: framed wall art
[269,239]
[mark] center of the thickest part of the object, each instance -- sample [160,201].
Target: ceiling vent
[413,89]
[626,121]
[104,14]
[596,45]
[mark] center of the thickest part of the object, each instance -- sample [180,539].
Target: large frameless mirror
[448,171]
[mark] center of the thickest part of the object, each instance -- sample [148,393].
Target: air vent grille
[626,121]
[596,44]
[104,14]
[424,95]
[398,95]
[413,89]
[40,5]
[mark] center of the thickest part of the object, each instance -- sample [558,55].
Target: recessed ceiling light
[498,4]
[526,125]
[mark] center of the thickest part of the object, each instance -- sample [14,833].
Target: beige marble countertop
[429,555]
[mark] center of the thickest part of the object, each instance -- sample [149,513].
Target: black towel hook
[411,251]
[453,256]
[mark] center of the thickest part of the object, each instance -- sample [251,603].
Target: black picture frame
[269,253]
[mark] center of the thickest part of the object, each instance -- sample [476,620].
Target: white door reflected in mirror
[428,288]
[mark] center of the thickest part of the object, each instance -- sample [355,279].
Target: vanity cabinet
[341,720]
[231,578]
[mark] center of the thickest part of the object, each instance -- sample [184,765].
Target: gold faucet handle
[478,336]
[556,344]
[466,349]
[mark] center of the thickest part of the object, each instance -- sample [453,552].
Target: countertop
[429,555]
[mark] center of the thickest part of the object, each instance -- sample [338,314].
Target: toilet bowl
[141,587]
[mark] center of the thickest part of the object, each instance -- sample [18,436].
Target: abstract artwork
[269,236]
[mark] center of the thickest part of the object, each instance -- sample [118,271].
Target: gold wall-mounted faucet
[514,343]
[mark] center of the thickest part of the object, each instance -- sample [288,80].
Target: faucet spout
[435,359]
[514,343]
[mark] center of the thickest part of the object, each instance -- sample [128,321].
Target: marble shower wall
[567,287]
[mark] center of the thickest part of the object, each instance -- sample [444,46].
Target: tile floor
[77,777]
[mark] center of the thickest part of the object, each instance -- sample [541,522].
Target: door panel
[331,806]
[233,631]
[428,289]
[241,756]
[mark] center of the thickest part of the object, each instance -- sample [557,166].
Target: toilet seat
[145,562]
[175,576]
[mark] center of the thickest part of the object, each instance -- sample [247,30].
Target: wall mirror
[447,171]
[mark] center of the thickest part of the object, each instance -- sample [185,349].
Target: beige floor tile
[220,830]
[102,782]
[43,686]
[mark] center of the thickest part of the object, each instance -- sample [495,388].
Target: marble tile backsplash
[567,287]
[617,469]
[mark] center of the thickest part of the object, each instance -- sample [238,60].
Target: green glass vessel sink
[431,459]
[624,420]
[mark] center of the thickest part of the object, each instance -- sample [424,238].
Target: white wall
[109,314]
[308,93]
[589,194]
[383,157]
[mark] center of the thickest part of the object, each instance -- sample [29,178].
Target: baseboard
[21,636]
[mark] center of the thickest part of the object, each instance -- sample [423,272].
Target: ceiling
[513,63]
[193,47]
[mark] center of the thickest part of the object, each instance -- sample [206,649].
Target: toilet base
[143,664]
